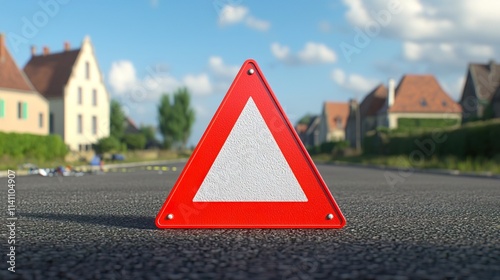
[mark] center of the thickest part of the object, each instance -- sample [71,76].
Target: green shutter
[2,108]
[25,110]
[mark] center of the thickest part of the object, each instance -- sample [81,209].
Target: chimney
[390,93]
[67,46]
[2,47]
[33,50]
[46,50]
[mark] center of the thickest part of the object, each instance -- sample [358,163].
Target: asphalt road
[102,227]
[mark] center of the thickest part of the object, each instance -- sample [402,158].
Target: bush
[406,124]
[478,139]
[135,141]
[20,145]
[108,144]
[328,147]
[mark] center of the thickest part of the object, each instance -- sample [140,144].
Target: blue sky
[145,48]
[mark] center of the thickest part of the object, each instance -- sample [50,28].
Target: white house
[74,86]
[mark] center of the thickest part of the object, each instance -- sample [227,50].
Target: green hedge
[19,145]
[478,139]
[410,123]
[328,147]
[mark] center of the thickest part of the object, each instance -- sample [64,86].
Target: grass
[475,165]
[7,162]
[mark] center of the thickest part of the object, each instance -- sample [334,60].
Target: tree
[117,120]
[164,121]
[108,144]
[135,141]
[175,119]
[149,132]
[182,108]
[305,119]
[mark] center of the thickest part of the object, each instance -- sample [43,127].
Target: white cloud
[313,53]
[317,53]
[235,14]
[279,51]
[198,84]
[124,82]
[258,24]
[353,82]
[433,31]
[447,53]
[122,76]
[338,76]
[219,69]
[232,14]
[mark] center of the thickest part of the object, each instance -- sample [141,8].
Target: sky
[309,51]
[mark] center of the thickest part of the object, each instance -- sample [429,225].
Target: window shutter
[25,110]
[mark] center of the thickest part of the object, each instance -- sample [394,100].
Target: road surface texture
[102,227]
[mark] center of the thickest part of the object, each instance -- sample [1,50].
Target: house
[312,132]
[481,91]
[418,101]
[22,108]
[78,100]
[367,115]
[309,132]
[131,127]
[333,121]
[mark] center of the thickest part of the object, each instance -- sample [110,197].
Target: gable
[336,114]
[422,94]
[11,76]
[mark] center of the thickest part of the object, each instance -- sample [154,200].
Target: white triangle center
[250,166]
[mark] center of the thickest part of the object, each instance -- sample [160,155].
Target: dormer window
[423,102]
[444,103]
[338,122]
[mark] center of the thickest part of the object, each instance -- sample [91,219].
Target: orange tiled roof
[10,75]
[335,110]
[422,94]
[50,73]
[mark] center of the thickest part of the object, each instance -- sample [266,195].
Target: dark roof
[313,124]
[373,101]
[50,73]
[422,94]
[486,79]
[130,127]
[10,75]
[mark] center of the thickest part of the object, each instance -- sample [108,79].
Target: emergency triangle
[247,164]
[250,169]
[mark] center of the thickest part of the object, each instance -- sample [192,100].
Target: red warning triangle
[250,169]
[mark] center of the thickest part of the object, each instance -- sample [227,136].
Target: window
[444,103]
[51,122]
[80,96]
[2,108]
[40,120]
[22,110]
[94,97]
[87,70]
[423,102]
[338,122]
[94,125]
[80,124]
